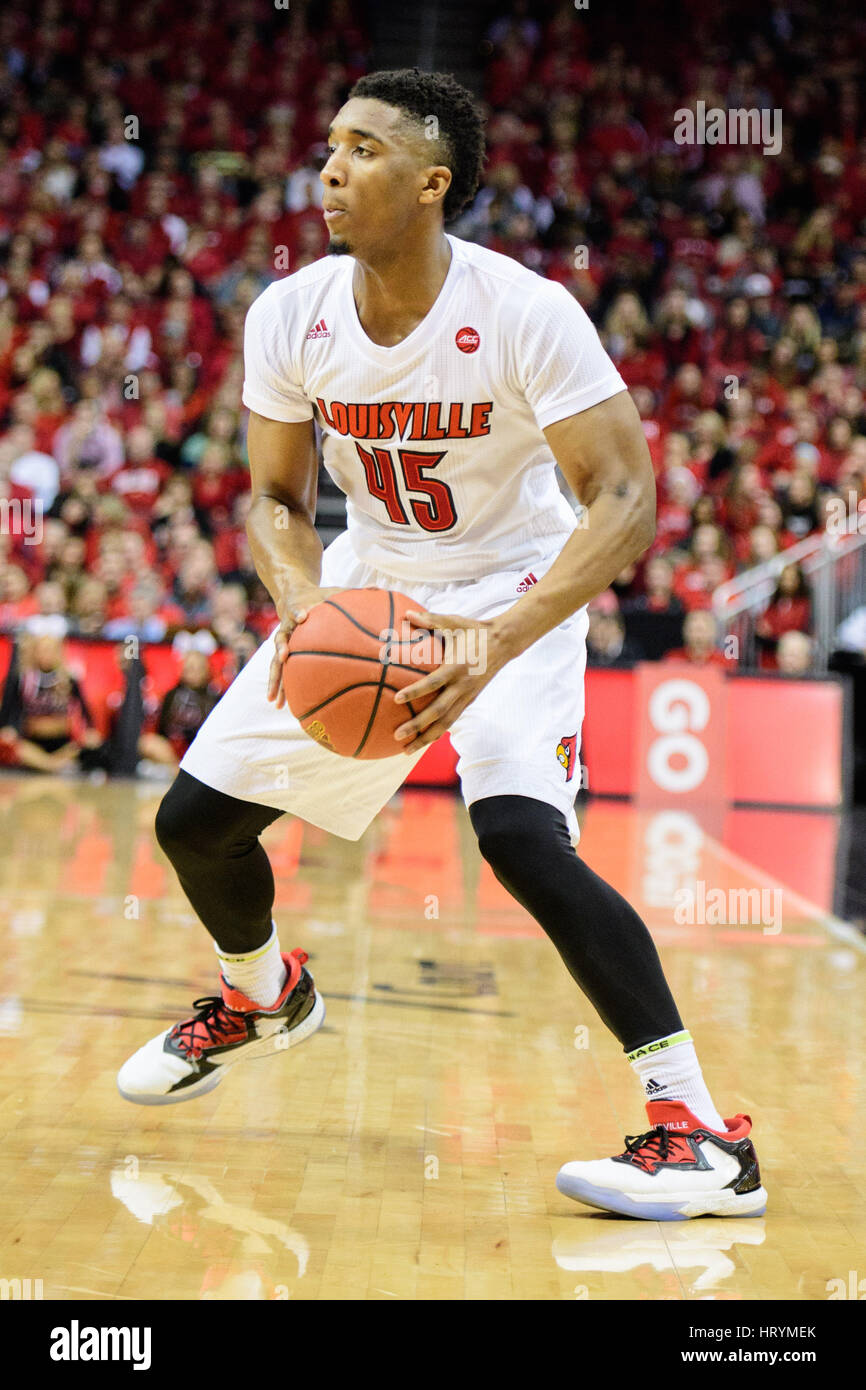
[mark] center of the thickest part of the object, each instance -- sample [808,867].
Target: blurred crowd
[159,168]
[729,286]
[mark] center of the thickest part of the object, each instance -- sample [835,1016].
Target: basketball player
[448,381]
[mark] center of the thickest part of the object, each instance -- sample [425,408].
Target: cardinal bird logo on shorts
[565,751]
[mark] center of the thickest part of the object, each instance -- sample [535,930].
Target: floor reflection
[244,1245]
[696,1251]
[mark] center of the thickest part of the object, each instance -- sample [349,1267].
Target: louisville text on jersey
[407,419]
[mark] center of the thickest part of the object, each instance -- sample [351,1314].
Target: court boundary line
[833,925]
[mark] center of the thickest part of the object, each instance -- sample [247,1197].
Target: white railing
[835,565]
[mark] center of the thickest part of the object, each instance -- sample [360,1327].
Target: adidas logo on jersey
[526,583]
[319,330]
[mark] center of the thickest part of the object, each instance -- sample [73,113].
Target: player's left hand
[474,661]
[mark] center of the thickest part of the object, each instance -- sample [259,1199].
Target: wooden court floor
[409,1150]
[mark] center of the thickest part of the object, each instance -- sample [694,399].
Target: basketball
[347,661]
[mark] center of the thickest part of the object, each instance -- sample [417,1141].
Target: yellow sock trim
[254,955]
[660,1046]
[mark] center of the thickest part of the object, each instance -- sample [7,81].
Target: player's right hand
[294,611]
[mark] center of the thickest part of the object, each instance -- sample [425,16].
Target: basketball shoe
[677,1170]
[193,1056]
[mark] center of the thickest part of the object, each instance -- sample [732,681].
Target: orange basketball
[346,662]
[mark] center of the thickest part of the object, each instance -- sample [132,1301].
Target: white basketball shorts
[519,737]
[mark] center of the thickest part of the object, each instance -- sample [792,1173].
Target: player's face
[375,179]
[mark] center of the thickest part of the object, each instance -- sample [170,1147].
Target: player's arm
[284,543]
[603,456]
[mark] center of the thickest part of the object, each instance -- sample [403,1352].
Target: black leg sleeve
[212,841]
[604,943]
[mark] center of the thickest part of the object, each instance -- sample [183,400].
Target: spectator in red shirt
[110,569]
[839,437]
[686,398]
[789,610]
[215,486]
[763,545]
[770,514]
[738,510]
[736,343]
[17,602]
[45,387]
[641,364]
[680,342]
[615,130]
[693,582]
[674,512]
[142,476]
[238,650]
[509,70]
[658,595]
[143,245]
[700,635]
[644,399]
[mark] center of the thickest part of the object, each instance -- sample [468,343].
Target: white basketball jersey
[436,442]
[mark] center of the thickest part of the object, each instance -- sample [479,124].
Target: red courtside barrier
[679,747]
[648,732]
[95,665]
[699,736]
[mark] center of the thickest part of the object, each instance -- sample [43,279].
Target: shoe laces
[654,1145]
[213,1023]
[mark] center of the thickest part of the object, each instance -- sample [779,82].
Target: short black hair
[461,128]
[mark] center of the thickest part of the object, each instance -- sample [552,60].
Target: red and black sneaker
[193,1056]
[676,1170]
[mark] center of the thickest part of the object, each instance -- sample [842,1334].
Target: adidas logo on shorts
[526,583]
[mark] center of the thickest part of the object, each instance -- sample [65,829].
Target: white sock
[260,974]
[668,1069]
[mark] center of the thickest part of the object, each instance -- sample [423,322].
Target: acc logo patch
[467,339]
[565,751]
